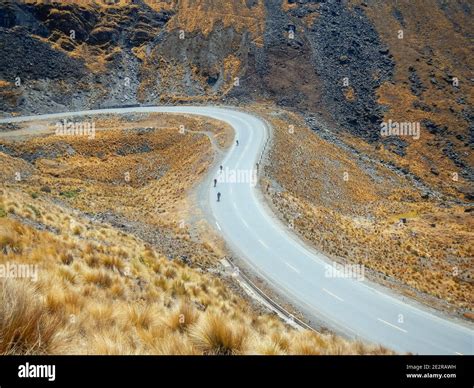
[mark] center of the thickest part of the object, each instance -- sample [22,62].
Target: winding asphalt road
[358,309]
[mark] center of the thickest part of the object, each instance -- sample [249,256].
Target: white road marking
[293,268]
[333,295]
[261,242]
[218,225]
[275,227]
[389,324]
[244,222]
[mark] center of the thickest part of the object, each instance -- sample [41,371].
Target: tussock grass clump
[111,343]
[182,317]
[113,263]
[215,334]
[25,325]
[143,317]
[177,345]
[98,277]
[9,239]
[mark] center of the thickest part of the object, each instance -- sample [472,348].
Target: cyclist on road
[218,197]
[221,168]
[215,182]
[237,142]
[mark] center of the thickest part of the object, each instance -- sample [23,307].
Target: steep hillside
[353,63]
[328,75]
[102,291]
[359,210]
[118,265]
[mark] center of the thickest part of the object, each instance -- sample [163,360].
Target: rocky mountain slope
[353,64]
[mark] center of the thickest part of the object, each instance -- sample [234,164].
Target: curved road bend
[355,308]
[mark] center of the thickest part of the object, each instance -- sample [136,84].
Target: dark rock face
[136,149]
[345,44]
[395,144]
[12,15]
[103,35]
[23,52]
[417,86]
[283,68]
[206,54]
[433,128]
[305,72]
[399,16]
[442,136]
[52,80]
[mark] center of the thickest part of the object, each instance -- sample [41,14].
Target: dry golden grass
[237,14]
[156,307]
[356,220]
[182,316]
[215,334]
[104,291]
[26,327]
[449,53]
[141,174]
